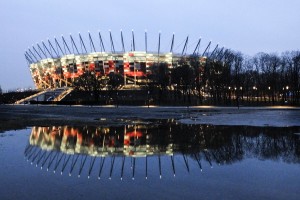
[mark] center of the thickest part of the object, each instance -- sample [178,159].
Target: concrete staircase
[32,97]
[47,95]
[63,94]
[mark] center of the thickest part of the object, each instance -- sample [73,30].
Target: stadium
[56,64]
[62,65]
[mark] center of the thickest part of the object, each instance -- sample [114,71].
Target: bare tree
[291,74]
[184,77]
[89,82]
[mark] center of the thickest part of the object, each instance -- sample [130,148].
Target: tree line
[265,78]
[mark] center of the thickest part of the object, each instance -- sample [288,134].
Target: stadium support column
[111,42]
[65,45]
[172,44]
[133,48]
[123,46]
[91,42]
[214,51]
[73,44]
[29,57]
[197,47]
[51,47]
[171,50]
[133,43]
[41,50]
[101,43]
[47,49]
[124,70]
[82,43]
[32,54]
[58,45]
[225,53]
[206,48]
[219,53]
[185,46]
[146,53]
[158,50]
[36,52]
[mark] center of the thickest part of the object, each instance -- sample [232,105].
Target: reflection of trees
[220,144]
[231,144]
[272,145]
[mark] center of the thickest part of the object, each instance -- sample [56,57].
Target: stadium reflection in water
[122,150]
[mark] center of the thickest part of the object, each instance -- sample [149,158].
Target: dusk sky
[249,26]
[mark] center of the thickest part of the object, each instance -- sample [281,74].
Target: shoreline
[14,116]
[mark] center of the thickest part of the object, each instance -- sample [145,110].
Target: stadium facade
[55,64]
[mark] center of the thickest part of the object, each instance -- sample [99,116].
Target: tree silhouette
[184,77]
[89,82]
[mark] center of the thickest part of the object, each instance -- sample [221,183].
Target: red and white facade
[59,72]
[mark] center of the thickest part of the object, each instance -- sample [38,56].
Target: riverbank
[21,116]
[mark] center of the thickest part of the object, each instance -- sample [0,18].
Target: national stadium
[61,62]
[57,64]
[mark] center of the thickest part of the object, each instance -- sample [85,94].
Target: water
[138,160]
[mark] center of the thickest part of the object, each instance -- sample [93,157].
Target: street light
[148,100]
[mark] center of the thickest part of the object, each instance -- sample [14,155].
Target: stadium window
[58,70]
[143,67]
[96,64]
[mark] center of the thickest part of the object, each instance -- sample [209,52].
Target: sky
[248,26]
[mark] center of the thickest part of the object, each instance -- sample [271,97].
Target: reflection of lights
[59,151]
[115,148]
[150,106]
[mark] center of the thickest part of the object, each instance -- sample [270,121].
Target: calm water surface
[150,160]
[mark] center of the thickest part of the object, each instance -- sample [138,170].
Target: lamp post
[269,90]
[229,92]
[286,93]
[254,92]
[148,98]
[242,93]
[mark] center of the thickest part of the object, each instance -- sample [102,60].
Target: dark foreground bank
[20,116]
